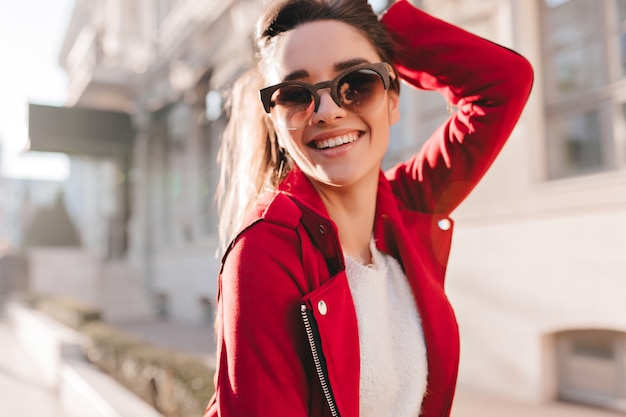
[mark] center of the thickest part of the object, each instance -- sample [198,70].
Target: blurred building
[538,266]
[143,122]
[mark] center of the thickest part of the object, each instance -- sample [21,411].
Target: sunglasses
[359,90]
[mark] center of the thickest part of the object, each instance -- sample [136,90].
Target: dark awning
[79,131]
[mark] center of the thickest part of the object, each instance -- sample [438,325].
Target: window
[591,367]
[584,50]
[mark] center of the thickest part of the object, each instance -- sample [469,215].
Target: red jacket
[287,329]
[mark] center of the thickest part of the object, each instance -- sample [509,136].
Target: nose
[327,110]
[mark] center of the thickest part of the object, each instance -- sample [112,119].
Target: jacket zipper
[318,360]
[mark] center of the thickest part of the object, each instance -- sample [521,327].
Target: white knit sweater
[393,354]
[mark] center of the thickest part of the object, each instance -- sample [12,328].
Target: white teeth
[338,141]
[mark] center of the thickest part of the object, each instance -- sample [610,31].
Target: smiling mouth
[335,142]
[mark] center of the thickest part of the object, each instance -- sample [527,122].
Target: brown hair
[250,157]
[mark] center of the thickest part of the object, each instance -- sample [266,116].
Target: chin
[337,182]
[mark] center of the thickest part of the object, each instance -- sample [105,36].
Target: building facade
[537,267]
[165,64]
[537,271]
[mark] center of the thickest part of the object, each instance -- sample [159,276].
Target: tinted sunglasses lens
[361,91]
[293,106]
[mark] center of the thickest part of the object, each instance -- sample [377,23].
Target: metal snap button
[322,229]
[322,308]
[444,224]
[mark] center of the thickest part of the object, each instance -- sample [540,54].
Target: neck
[353,210]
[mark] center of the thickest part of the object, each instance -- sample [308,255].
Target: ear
[393,103]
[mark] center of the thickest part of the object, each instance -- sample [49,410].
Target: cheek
[382,123]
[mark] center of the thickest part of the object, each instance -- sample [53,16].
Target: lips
[335,141]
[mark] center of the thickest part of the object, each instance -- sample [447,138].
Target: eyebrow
[338,67]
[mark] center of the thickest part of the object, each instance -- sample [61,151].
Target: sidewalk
[475,404]
[21,393]
[199,340]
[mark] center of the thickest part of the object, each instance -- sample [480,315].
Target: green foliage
[175,383]
[69,311]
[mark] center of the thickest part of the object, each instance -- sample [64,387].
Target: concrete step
[82,389]
[123,294]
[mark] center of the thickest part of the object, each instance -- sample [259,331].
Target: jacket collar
[298,185]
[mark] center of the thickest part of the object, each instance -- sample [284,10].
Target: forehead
[316,46]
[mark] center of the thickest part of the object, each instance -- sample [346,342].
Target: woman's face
[337,148]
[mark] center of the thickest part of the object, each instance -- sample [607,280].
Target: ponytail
[250,159]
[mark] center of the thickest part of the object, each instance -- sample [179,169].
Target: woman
[331,299]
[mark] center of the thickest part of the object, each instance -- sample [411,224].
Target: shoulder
[273,215]
[282,229]
[266,253]
[275,208]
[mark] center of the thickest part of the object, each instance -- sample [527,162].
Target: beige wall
[512,282]
[72,272]
[187,275]
[531,257]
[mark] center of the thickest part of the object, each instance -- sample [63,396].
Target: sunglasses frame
[383,69]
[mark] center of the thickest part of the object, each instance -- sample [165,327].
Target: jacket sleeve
[487,83]
[262,354]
